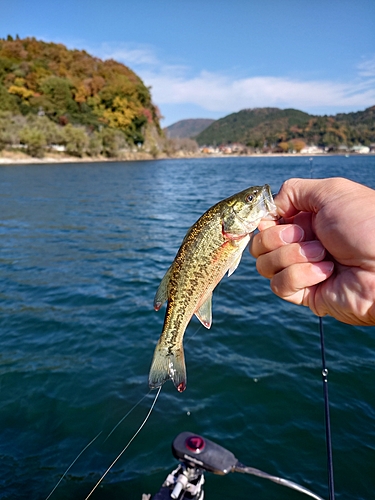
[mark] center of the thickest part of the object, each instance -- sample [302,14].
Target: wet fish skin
[212,247]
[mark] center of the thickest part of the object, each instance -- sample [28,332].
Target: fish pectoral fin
[162,292]
[235,264]
[168,363]
[204,313]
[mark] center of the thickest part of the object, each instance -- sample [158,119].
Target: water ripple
[84,248]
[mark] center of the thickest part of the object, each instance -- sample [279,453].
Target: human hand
[321,254]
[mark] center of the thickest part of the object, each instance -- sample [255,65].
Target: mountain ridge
[258,127]
[188,128]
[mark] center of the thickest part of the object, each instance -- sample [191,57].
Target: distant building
[226,150]
[312,150]
[362,150]
[210,150]
[58,147]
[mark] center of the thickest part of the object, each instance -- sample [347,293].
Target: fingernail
[292,234]
[323,269]
[312,250]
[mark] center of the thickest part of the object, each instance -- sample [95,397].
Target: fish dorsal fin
[204,313]
[162,292]
[235,264]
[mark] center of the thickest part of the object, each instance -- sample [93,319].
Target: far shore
[19,158]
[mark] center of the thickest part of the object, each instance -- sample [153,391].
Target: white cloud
[129,54]
[367,68]
[218,92]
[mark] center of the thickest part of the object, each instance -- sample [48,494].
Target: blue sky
[209,58]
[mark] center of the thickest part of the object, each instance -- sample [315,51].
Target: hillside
[272,126]
[71,87]
[250,124]
[187,128]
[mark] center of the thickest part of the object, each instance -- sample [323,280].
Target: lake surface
[83,249]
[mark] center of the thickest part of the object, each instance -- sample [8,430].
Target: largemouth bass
[212,247]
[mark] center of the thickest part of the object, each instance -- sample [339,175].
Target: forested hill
[73,87]
[272,126]
[188,128]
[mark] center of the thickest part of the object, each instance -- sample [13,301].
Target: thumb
[302,195]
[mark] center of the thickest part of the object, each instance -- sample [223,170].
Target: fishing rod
[198,455]
[331,487]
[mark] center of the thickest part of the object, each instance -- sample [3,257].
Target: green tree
[34,140]
[113,141]
[76,140]
[10,127]
[53,133]
[59,93]
[95,144]
[8,102]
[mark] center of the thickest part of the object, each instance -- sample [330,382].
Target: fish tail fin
[168,363]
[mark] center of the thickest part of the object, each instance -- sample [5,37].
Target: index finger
[275,237]
[264,224]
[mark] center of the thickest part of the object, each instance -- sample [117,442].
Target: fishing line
[129,412]
[127,446]
[191,336]
[74,461]
[331,489]
[96,437]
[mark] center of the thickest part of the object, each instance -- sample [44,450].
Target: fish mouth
[268,205]
[265,209]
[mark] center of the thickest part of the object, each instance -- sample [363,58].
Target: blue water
[83,249]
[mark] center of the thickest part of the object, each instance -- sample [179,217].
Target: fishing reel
[182,483]
[198,455]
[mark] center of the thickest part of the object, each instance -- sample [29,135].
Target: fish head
[248,207]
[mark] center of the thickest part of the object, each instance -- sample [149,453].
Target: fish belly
[191,285]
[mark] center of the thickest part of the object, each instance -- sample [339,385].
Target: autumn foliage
[72,87]
[286,130]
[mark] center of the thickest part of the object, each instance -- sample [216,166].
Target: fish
[212,247]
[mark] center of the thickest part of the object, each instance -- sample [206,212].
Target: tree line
[51,96]
[280,129]
[37,135]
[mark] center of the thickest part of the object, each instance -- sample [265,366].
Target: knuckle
[263,267]
[274,287]
[264,241]
[254,246]
[287,184]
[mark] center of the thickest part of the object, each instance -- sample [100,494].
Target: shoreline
[12,158]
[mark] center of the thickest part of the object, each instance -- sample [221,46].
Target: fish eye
[250,197]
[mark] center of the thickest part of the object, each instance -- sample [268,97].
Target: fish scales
[190,279]
[211,247]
